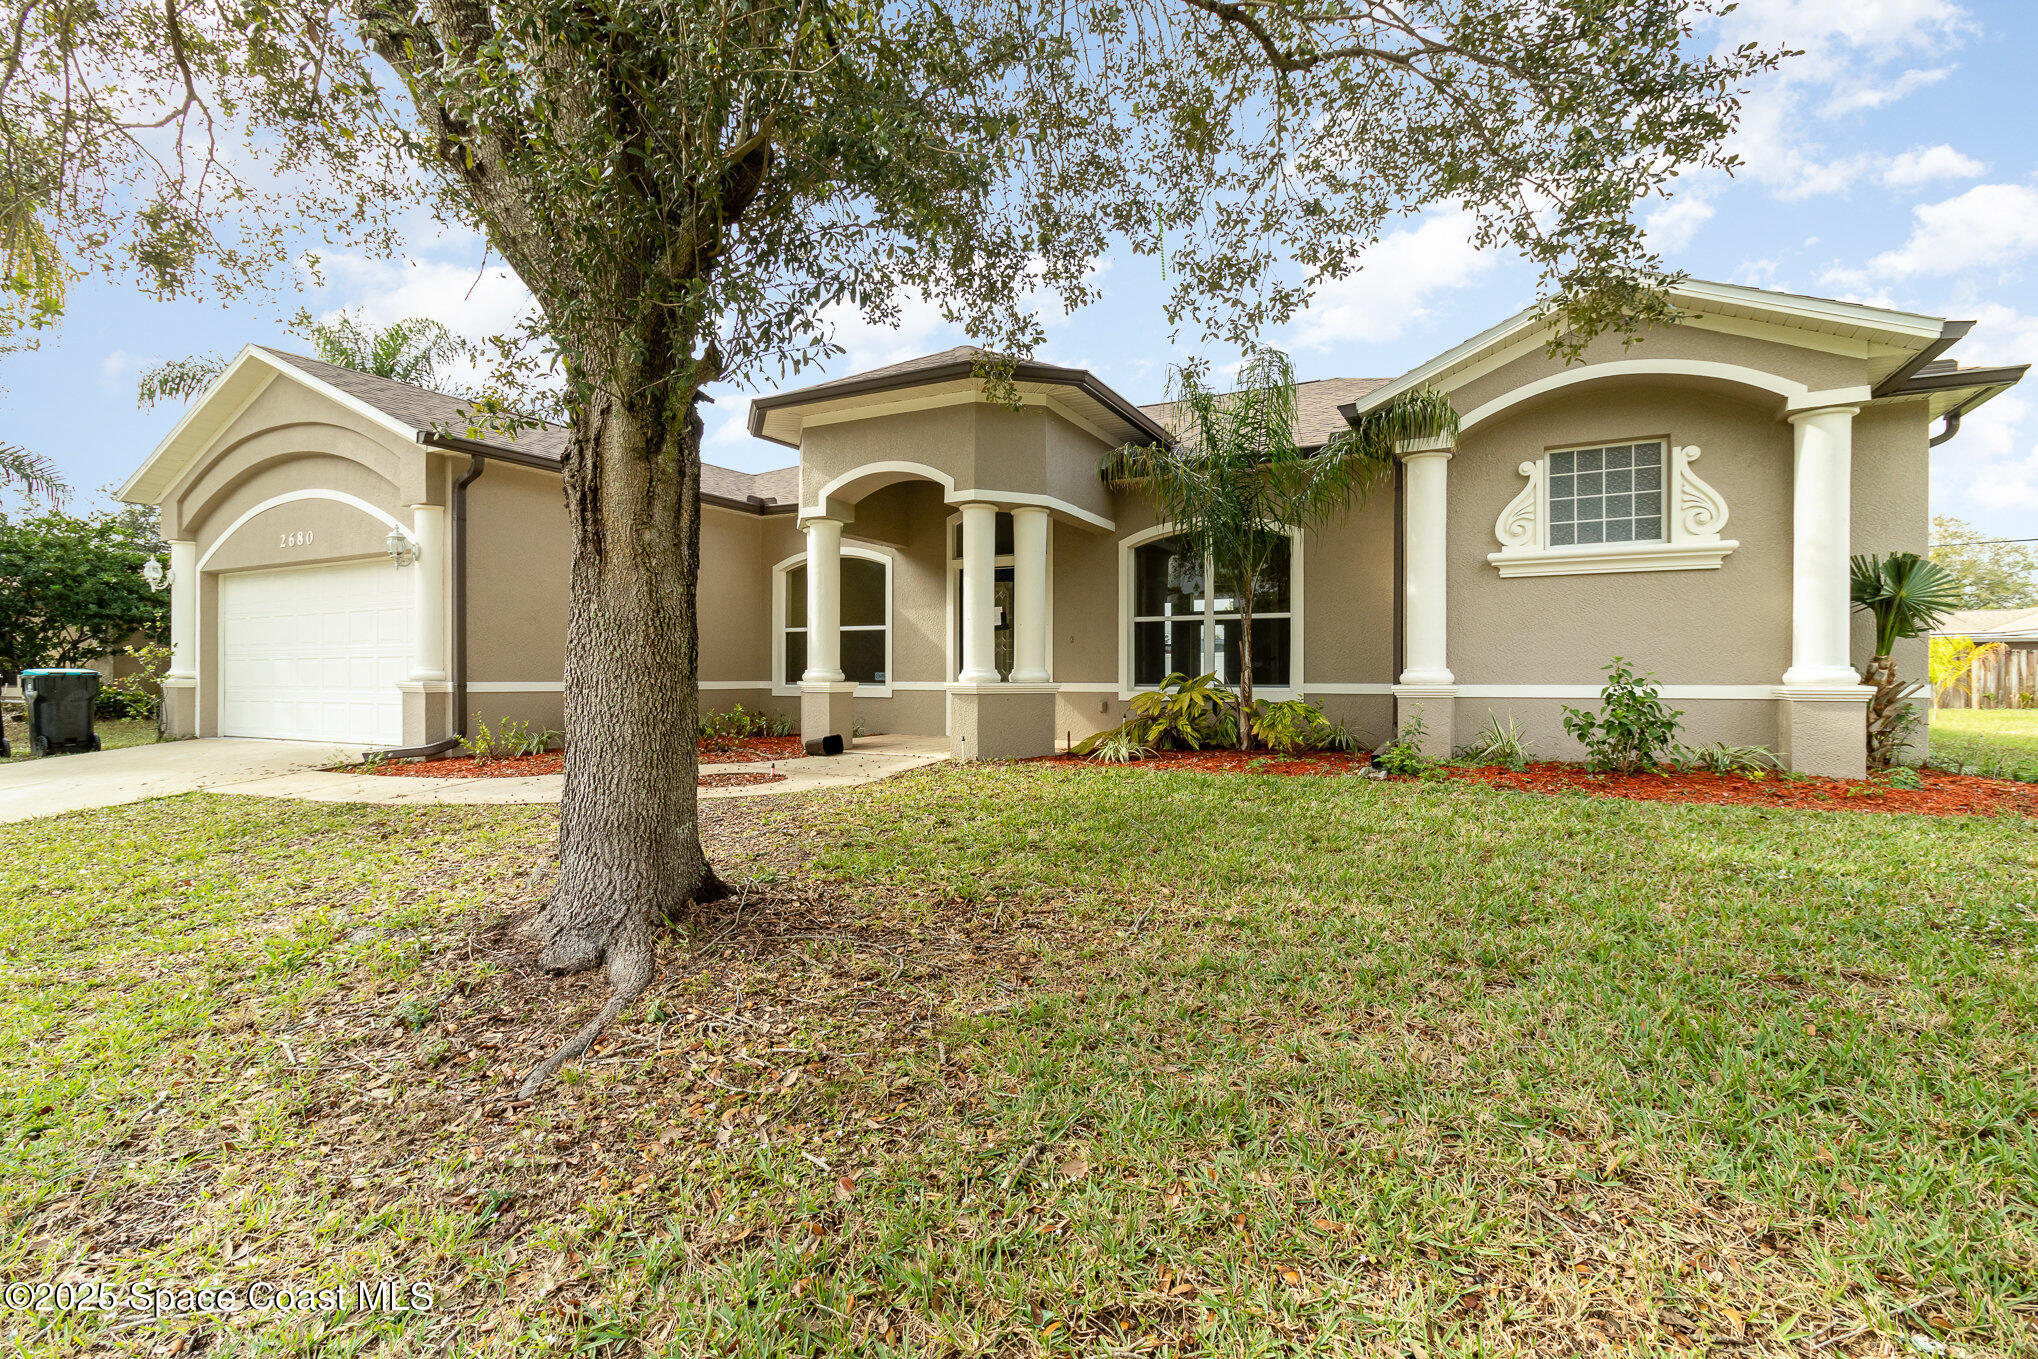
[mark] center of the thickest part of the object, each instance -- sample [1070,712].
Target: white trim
[857,547]
[1675,692]
[1279,692]
[289,497]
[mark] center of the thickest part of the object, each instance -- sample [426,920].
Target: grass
[112,736]
[1979,735]
[1020,1061]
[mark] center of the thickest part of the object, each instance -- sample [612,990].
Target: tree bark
[630,855]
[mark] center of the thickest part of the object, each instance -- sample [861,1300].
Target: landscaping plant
[1905,595]
[1237,480]
[1633,729]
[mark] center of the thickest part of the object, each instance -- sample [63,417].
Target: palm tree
[32,473]
[1906,595]
[412,350]
[1236,481]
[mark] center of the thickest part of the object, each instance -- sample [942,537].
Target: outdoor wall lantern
[155,576]
[403,549]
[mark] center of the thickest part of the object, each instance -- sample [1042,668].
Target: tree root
[632,958]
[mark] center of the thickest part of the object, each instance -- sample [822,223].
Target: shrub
[1721,758]
[1403,755]
[1290,725]
[1495,744]
[1633,730]
[1180,714]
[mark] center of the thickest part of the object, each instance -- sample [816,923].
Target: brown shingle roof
[1316,403]
[426,410]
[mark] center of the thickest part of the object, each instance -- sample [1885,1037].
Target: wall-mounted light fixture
[403,549]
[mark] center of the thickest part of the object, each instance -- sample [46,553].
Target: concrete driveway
[108,778]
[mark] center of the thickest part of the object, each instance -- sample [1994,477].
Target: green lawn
[112,735]
[1979,735]
[1018,1061]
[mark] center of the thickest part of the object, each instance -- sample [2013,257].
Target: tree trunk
[1885,707]
[630,855]
[1245,667]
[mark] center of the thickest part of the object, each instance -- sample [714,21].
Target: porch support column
[1427,690]
[1822,709]
[1029,595]
[180,681]
[827,700]
[979,571]
[428,592]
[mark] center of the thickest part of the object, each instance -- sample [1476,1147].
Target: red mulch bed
[752,748]
[733,780]
[1942,795]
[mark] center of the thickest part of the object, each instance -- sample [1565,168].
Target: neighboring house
[939,563]
[2002,679]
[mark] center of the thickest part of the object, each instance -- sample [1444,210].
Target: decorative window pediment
[1614,507]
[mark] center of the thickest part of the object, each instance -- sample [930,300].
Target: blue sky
[1895,163]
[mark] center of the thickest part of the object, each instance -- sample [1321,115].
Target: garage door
[315,653]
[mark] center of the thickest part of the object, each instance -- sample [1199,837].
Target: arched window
[866,619]
[1188,617]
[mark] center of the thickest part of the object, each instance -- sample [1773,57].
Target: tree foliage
[71,590]
[1992,574]
[414,350]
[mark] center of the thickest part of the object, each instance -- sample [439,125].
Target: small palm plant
[1235,480]
[1905,595]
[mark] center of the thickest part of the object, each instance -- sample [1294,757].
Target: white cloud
[1928,163]
[1395,288]
[1674,225]
[1990,224]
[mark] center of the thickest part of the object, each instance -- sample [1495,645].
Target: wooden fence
[2001,679]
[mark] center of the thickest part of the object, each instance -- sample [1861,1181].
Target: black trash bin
[60,704]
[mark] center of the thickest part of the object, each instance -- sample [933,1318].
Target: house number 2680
[301,538]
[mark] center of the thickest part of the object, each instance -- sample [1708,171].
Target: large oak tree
[689,188]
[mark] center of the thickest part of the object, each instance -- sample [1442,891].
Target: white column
[183,610]
[824,602]
[428,591]
[979,570]
[1029,596]
[1423,562]
[1821,516]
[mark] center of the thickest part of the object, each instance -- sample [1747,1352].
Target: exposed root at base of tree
[632,956]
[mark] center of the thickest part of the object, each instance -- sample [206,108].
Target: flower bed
[1942,794]
[753,748]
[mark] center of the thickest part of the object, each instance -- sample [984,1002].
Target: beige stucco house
[344,567]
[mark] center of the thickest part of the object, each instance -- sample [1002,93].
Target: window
[1187,618]
[1630,506]
[1606,495]
[866,620]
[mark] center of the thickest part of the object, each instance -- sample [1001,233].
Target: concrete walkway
[873,758]
[109,778]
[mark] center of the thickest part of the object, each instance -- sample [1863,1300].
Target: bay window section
[866,630]
[1189,619]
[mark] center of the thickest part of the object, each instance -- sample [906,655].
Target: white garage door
[315,653]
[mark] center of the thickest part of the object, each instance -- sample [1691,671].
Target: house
[2004,678]
[936,562]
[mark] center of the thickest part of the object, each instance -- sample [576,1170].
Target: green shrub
[1290,725]
[1180,714]
[1633,730]
[1495,744]
[1721,758]
[1403,755]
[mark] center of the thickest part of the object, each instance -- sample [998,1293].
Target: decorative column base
[1436,706]
[828,708]
[1823,729]
[1001,721]
[427,711]
[180,708]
